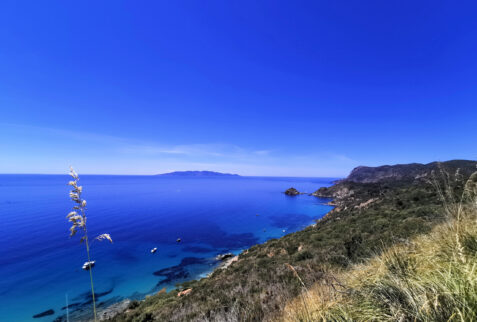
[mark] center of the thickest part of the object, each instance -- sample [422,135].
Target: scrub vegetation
[431,278]
[376,255]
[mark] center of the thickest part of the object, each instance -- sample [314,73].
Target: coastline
[370,213]
[219,216]
[122,306]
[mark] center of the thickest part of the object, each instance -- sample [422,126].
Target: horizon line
[158,174]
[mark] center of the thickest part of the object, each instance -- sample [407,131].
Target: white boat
[88,265]
[153,250]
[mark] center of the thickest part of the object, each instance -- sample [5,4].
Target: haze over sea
[40,265]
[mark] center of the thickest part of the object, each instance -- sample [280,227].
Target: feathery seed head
[73,230]
[103,237]
[73,174]
[75,218]
[74,196]
[72,213]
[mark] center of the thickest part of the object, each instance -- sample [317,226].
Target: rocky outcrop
[184,292]
[354,190]
[292,192]
[227,262]
[408,172]
[113,310]
[222,257]
[388,172]
[335,192]
[366,203]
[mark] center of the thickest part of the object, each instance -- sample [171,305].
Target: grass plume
[77,218]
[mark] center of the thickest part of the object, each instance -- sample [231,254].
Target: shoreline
[354,205]
[123,305]
[119,307]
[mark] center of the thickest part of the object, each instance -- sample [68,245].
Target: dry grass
[78,219]
[431,278]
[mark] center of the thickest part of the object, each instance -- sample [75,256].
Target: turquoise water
[40,266]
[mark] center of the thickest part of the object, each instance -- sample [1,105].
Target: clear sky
[289,88]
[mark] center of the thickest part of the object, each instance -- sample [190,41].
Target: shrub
[303,255]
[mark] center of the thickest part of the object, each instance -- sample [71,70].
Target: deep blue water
[40,265]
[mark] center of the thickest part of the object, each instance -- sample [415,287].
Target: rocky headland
[375,207]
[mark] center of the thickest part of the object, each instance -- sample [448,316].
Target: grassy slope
[368,218]
[433,278]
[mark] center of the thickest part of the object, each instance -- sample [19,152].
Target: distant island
[197,174]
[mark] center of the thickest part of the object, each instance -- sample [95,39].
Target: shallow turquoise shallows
[40,266]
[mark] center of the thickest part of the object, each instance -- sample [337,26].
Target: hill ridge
[197,173]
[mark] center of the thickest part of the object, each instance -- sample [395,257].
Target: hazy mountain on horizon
[198,174]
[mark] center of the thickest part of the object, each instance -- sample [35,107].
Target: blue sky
[296,88]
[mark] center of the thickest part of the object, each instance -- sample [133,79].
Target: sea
[41,265]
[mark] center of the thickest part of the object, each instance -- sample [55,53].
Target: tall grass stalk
[78,218]
[67,309]
[302,295]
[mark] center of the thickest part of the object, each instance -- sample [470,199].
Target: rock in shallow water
[42,314]
[292,192]
[179,272]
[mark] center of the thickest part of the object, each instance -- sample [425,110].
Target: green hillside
[373,212]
